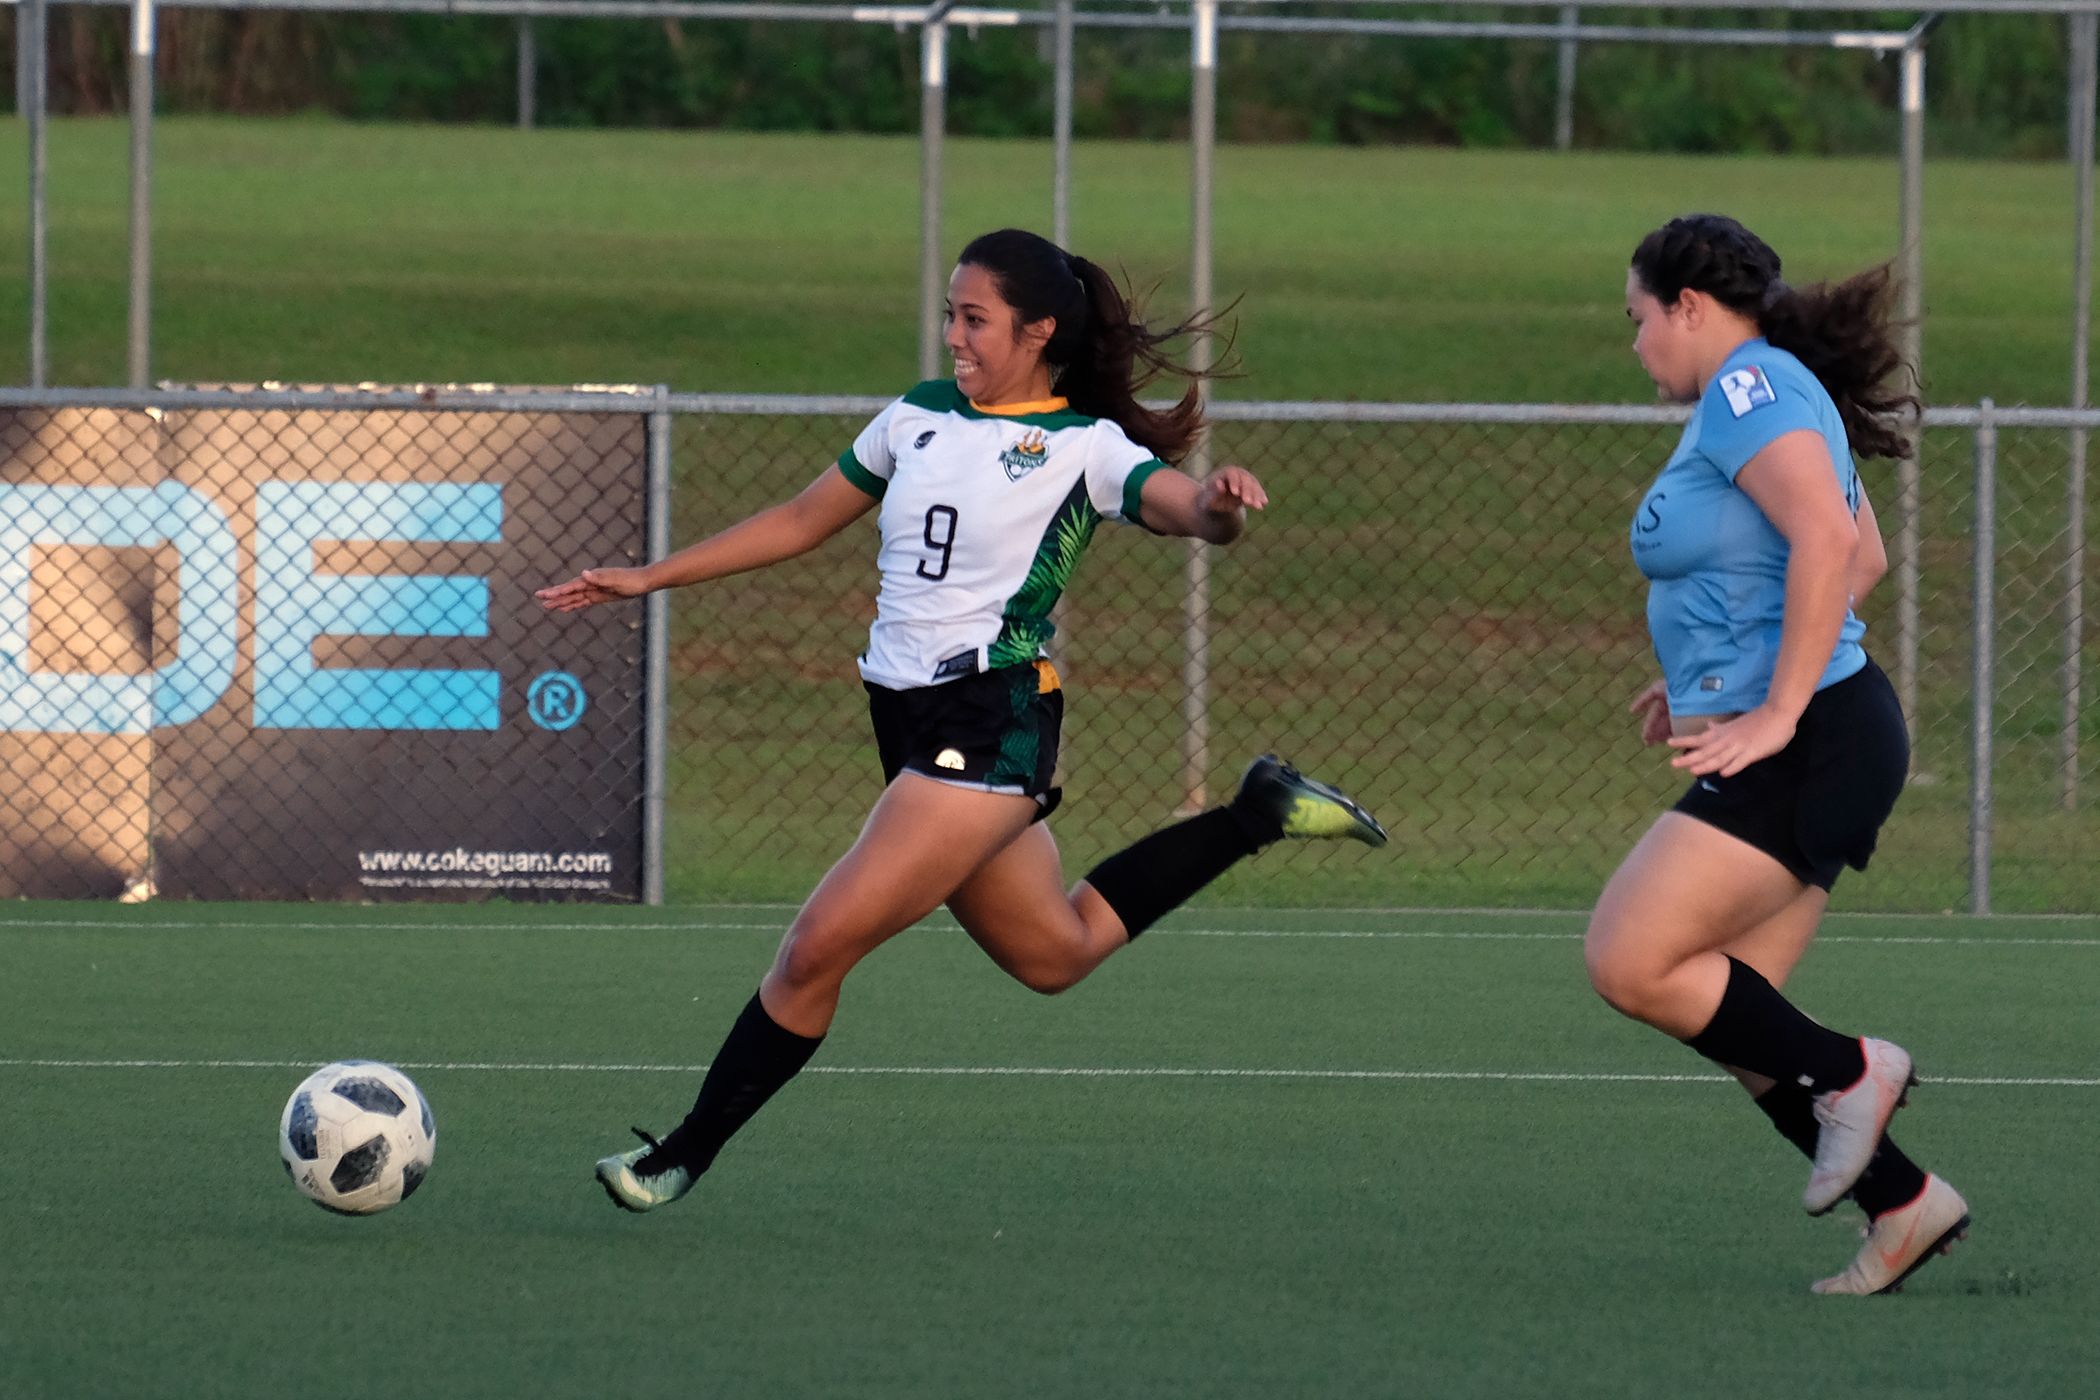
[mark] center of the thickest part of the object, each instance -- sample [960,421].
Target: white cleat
[1853,1120]
[641,1191]
[1903,1241]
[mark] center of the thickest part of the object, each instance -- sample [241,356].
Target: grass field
[1442,617]
[1275,1154]
[314,251]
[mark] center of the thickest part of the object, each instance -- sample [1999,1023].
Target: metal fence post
[1061,209]
[933,119]
[1910,309]
[1564,95]
[1195,674]
[2085,56]
[1061,130]
[33,97]
[1983,676]
[528,72]
[141,337]
[656,620]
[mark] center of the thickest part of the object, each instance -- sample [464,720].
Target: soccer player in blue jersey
[1757,541]
[989,487]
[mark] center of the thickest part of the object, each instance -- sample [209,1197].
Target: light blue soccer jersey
[1716,565]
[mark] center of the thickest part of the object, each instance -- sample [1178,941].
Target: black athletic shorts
[996,731]
[1817,805]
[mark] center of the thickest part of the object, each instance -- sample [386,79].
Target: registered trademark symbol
[555,700]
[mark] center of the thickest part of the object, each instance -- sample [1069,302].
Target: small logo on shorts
[950,758]
[1713,683]
[1709,786]
[922,439]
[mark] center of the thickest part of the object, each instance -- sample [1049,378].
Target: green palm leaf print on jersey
[1028,626]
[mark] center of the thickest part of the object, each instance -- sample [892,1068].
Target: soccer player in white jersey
[989,487]
[1758,540]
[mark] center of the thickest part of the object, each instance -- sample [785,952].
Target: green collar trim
[941,396]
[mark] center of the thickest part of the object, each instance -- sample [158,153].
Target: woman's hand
[1214,509]
[1653,706]
[1727,749]
[1230,490]
[594,586]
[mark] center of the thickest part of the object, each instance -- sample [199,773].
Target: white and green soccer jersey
[984,515]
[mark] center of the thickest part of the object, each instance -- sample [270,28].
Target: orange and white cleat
[1853,1120]
[1903,1241]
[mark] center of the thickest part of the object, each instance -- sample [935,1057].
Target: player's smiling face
[997,359]
[1663,339]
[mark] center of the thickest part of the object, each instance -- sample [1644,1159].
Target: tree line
[1996,82]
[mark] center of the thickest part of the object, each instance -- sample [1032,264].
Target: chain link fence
[1438,611]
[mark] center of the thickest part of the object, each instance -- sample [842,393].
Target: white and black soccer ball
[357,1137]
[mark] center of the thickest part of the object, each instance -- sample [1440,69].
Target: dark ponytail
[1100,356]
[1840,330]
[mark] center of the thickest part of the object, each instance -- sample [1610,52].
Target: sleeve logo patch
[1747,388]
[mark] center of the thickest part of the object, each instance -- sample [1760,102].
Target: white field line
[1469,911]
[1047,1072]
[695,926]
[698,926]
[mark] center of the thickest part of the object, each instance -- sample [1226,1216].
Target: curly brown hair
[1841,330]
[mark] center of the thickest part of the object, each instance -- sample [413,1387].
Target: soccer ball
[357,1137]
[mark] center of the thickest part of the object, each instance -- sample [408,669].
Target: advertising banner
[295,655]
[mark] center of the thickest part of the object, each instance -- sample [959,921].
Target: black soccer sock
[1144,881]
[1757,1029]
[1793,1112]
[759,1056]
[1891,1178]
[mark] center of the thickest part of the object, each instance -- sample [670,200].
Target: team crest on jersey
[1026,455]
[1747,388]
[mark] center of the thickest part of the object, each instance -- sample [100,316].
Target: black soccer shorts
[1818,804]
[996,731]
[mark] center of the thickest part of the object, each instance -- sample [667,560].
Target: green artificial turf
[1231,1186]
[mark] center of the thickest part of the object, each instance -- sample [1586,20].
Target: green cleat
[1304,807]
[642,1190]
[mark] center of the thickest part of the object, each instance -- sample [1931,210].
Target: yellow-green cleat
[645,1189]
[1305,808]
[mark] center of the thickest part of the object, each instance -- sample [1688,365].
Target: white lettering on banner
[460,860]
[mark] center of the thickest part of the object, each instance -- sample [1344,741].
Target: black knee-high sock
[759,1056]
[1141,882]
[1891,1178]
[1757,1029]
[1793,1112]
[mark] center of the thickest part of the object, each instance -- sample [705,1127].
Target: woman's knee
[1049,977]
[815,953]
[1618,973]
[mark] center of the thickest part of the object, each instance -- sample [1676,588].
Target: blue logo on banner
[294,605]
[555,700]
